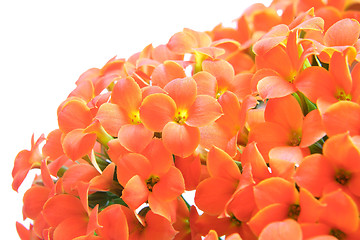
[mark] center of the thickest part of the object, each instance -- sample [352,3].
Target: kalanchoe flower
[260,120]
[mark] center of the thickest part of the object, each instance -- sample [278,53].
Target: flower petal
[275,190]
[343,33]
[203,111]
[73,114]
[135,192]
[213,193]
[340,211]
[288,229]
[314,173]
[110,217]
[182,91]
[221,165]
[166,72]
[156,111]
[112,117]
[274,87]
[77,143]
[135,137]
[341,117]
[180,139]
[170,186]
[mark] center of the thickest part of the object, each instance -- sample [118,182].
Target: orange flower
[69,216]
[336,168]
[80,132]
[121,116]
[148,225]
[179,115]
[327,87]
[213,193]
[278,199]
[26,160]
[342,37]
[285,125]
[151,177]
[272,79]
[223,133]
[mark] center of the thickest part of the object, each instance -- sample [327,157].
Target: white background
[45,45]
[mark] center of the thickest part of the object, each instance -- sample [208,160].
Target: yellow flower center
[135,118]
[341,95]
[181,116]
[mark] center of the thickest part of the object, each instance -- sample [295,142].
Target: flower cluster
[262,120]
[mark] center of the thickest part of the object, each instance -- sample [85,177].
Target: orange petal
[166,209]
[182,42]
[341,117]
[181,140]
[342,152]
[213,193]
[84,90]
[242,205]
[70,228]
[252,156]
[271,39]
[267,215]
[314,173]
[112,117]
[271,59]
[135,192]
[241,85]
[340,211]
[203,111]
[170,186]
[206,83]
[313,129]
[285,111]
[113,216]
[166,72]
[215,134]
[158,227]
[190,168]
[339,68]
[62,207]
[52,147]
[310,207]
[222,70]
[221,165]
[76,143]
[135,137]
[34,200]
[268,135]
[274,87]
[275,190]
[182,91]
[212,235]
[288,229]
[160,158]
[126,94]
[316,82]
[105,180]
[132,164]
[156,111]
[73,114]
[343,33]
[76,174]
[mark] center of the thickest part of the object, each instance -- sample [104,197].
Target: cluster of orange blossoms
[262,120]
